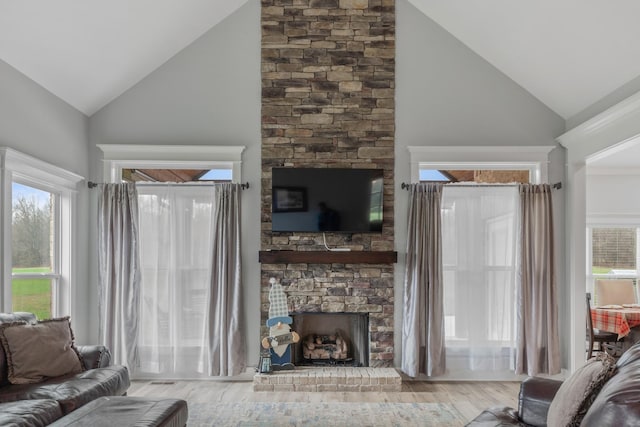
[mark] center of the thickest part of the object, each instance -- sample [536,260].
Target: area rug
[253,414]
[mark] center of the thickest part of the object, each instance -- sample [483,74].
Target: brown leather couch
[43,403]
[617,403]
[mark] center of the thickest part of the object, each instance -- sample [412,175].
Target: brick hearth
[330,379]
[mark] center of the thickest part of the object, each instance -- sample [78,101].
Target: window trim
[25,169]
[535,159]
[123,156]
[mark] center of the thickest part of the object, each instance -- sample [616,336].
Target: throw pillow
[39,351]
[576,394]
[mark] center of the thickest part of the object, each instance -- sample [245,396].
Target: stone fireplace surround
[328,88]
[340,288]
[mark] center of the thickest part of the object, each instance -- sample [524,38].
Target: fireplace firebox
[331,338]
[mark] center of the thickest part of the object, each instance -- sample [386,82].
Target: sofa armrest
[94,356]
[535,398]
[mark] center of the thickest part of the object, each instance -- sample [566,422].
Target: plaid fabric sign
[619,321]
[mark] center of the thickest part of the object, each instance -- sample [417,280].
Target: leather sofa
[616,404]
[44,402]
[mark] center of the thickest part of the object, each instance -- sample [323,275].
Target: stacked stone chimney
[328,85]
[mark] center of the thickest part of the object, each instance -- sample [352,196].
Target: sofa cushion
[72,391]
[38,351]
[29,413]
[576,394]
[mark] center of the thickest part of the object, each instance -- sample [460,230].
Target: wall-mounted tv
[327,200]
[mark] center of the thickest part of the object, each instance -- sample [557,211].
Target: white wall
[613,198]
[448,95]
[207,94]
[615,128]
[39,124]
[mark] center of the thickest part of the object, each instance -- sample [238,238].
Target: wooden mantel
[328,257]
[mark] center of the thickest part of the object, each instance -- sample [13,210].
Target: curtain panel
[423,350]
[119,272]
[538,348]
[225,338]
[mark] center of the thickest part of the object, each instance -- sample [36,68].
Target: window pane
[432,175]
[33,295]
[217,175]
[475,175]
[613,251]
[177,175]
[32,230]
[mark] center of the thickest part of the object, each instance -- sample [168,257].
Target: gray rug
[322,414]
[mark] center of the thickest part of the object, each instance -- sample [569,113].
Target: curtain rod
[556,186]
[244,186]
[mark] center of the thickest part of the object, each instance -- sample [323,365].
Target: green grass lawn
[32,295]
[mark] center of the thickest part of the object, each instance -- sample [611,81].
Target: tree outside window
[32,254]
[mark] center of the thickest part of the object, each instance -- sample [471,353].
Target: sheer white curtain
[479,252]
[176,247]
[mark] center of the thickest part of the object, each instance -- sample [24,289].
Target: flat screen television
[326,199]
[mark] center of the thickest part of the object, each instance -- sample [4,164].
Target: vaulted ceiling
[567,53]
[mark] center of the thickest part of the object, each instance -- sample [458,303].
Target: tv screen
[326,199]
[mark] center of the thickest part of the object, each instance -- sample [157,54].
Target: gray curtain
[119,272]
[227,348]
[538,348]
[423,350]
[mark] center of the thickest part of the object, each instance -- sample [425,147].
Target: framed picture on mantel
[289,199]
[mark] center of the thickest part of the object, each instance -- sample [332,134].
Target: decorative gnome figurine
[280,334]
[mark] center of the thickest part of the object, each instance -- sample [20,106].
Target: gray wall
[37,123]
[207,94]
[615,97]
[210,94]
[446,95]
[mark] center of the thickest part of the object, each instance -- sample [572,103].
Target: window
[479,249]
[479,232]
[215,162]
[175,251]
[220,174]
[481,159]
[34,258]
[490,176]
[39,214]
[433,175]
[613,254]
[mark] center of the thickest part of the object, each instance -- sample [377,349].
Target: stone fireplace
[328,88]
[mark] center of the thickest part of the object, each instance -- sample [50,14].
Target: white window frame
[534,159]
[28,170]
[590,276]
[117,157]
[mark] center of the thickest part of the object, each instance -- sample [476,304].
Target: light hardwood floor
[469,398]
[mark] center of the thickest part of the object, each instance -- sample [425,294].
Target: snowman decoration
[280,335]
